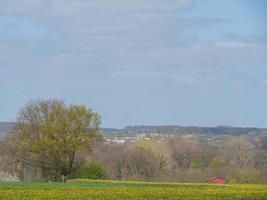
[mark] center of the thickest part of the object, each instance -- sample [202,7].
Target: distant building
[216,180]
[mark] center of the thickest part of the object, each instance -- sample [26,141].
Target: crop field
[116,190]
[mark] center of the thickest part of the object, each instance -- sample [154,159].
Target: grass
[118,190]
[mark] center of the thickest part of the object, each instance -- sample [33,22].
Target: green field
[115,190]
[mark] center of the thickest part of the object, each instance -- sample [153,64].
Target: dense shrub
[90,171]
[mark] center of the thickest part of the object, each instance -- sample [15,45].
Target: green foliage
[91,171]
[48,134]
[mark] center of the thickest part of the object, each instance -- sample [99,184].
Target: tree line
[54,141]
[183,160]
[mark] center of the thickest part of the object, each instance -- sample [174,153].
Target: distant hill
[5,127]
[111,130]
[180,130]
[176,130]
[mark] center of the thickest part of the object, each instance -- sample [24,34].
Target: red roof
[216,180]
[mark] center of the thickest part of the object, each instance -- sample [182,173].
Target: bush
[90,171]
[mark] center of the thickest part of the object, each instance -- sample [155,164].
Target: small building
[216,180]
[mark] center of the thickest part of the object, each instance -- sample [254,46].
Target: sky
[152,62]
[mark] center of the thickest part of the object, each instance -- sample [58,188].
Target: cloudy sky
[184,62]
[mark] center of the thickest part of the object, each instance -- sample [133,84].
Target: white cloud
[183,79]
[184,3]
[249,39]
[71,7]
[90,34]
[153,76]
[263,82]
[233,45]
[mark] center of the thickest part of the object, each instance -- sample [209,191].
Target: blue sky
[183,62]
